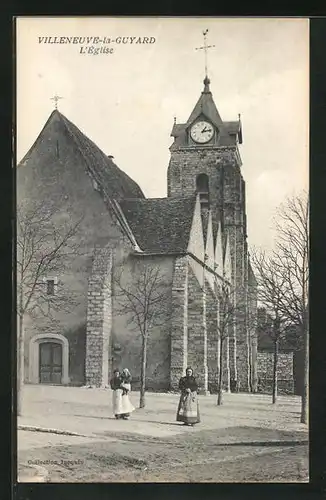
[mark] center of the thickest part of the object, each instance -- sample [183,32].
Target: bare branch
[45,245]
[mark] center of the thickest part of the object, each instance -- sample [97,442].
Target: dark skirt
[188,409]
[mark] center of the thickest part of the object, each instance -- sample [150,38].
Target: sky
[126,101]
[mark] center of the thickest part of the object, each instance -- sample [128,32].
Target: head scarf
[189,368]
[126,372]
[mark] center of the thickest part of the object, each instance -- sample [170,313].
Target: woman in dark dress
[188,409]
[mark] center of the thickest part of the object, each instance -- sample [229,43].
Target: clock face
[202,132]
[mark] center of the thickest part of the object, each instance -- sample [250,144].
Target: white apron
[121,404]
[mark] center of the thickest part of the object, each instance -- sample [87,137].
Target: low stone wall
[285,379]
[284,387]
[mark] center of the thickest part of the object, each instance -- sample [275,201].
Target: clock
[202,132]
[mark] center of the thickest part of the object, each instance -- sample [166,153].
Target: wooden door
[50,363]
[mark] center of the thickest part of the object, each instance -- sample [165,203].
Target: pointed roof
[251,275]
[227,261]
[206,106]
[209,247]
[160,225]
[219,251]
[228,132]
[196,244]
[110,178]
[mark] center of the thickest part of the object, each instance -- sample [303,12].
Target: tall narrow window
[50,286]
[202,187]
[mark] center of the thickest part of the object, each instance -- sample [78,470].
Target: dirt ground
[232,455]
[247,439]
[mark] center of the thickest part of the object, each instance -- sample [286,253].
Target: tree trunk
[227,368]
[234,358]
[305,389]
[20,363]
[275,367]
[143,372]
[250,364]
[254,366]
[220,378]
[248,347]
[218,357]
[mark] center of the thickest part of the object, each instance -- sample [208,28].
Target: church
[196,237]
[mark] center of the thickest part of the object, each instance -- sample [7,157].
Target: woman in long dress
[115,384]
[188,409]
[126,405]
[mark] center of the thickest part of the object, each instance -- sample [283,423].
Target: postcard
[162,249]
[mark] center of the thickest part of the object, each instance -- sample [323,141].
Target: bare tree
[46,245]
[144,300]
[292,249]
[289,272]
[270,293]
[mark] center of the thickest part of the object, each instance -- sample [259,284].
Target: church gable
[252,281]
[62,143]
[227,261]
[196,244]
[196,239]
[116,183]
[56,171]
[219,252]
[209,250]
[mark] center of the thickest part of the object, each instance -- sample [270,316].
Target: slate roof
[116,183]
[206,105]
[160,225]
[234,128]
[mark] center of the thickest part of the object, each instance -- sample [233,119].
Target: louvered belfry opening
[202,188]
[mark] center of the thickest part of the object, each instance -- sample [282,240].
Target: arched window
[202,187]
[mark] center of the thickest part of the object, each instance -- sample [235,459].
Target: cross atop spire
[205,48]
[55,98]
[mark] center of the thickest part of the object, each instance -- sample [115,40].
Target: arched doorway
[49,359]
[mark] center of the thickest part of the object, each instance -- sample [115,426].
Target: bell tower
[205,159]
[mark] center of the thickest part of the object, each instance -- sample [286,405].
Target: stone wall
[234,217]
[99,319]
[253,331]
[227,199]
[197,331]
[284,373]
[190,162]
[54,176]
[179,322]
[213,341]
[126,336]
